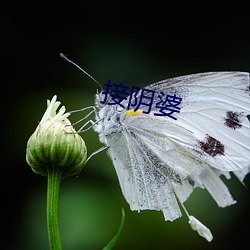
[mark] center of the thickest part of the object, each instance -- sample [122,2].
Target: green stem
[54,177]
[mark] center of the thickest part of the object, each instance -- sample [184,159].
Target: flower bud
[55,144]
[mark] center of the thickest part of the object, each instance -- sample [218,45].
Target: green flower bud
[55,144]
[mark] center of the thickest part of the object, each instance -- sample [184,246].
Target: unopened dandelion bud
[55,144]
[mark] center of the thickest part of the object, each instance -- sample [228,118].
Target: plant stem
[54,177]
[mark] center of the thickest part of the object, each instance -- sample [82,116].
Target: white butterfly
[159,161]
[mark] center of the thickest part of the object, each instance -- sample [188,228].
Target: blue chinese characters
[166,105]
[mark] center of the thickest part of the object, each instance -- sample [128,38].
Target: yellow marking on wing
[132,112]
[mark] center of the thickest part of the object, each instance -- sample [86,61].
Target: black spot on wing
[212,146]
[233,119]
[248,89]
[191,181]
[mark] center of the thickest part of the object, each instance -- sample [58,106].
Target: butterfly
[159,161]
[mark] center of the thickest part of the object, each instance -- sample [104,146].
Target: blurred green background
[136,44]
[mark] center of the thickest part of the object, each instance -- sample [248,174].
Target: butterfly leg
[96,152]
[86,116]
[83,129]
[92,154]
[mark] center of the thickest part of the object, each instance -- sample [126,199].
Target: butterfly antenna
[68,60]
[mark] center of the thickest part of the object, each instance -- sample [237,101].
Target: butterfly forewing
[214,107]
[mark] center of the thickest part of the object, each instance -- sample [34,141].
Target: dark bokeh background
[129,42]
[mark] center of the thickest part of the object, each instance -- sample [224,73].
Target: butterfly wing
[157,157]
[141,183]
[214,107]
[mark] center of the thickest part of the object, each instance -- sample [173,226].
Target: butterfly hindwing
[214,107]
